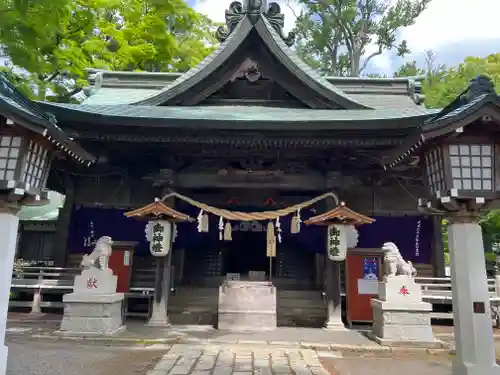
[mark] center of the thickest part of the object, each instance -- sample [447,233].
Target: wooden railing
[54,281]
[47,285]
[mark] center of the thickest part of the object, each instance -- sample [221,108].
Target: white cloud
[450,21]
[443,23]
[446,22]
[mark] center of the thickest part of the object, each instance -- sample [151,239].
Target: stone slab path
[388,366]
[187,359]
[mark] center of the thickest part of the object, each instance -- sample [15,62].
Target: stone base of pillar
[334,325]
[400,318]
[165,323]
[159,317]
[460,368]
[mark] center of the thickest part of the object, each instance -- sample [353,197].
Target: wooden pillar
[319,262]
[63,223]
[437,247]
[332,290]
[159,314]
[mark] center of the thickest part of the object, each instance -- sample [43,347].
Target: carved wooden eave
[311,142]
[158,211]
[259,31]
[478,102]
[340,215]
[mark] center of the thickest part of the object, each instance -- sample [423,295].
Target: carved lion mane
[101,253]
[394,262]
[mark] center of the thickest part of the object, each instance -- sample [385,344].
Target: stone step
[300,305]
[300,294]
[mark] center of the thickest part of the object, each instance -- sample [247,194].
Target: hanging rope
[250,216]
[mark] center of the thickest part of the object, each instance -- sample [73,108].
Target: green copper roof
[377,98]
[293,62]
[463,111]
[106,96]
[241,22]
[47,212]
[236,116]
[206,67]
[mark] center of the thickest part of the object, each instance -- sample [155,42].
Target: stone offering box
[247,306]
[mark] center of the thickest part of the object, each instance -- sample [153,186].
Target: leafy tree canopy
[442,87]
[333,35]
[409,69]
[54,41]
[442,84]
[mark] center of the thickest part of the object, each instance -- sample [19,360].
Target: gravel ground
[34,357]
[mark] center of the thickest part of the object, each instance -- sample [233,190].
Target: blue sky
[452,29]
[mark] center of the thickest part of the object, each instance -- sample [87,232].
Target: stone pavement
[42,357]
[211,359]
[388,366]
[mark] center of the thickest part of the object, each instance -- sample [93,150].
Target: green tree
[333,35]
[55,41]
[431,68]
[443,87]
[409,69]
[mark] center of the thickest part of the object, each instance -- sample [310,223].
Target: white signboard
[367,287]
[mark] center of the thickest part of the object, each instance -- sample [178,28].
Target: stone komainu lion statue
[394,262]
[101,253]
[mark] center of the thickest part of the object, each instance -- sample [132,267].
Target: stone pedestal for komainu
[94,308]
[247,306]
[400,317]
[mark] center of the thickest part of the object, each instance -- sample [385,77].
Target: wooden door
[120,262]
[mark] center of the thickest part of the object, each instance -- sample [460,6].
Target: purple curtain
[90,223]
[412,234]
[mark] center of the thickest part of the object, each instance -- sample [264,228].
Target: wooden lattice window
[10,147]
[472,167]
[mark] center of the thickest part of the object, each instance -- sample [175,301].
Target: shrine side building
[252,127]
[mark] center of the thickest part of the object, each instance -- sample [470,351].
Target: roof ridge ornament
[480,85]
[277,21]
[234,14]
[254,9]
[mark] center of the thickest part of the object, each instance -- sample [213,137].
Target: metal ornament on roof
[253,9]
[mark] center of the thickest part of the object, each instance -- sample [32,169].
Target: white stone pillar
[159,314]
[475,347]
[9,224]
[333,297]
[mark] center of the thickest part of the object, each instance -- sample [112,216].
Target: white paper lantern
[148,230]
[336,242]
[352,237]
[160,237]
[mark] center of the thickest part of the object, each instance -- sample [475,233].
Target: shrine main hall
[251,128]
